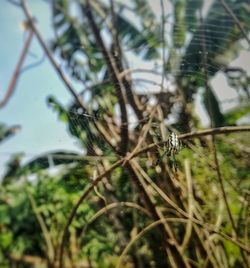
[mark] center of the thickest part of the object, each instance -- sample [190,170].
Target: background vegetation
[120,203]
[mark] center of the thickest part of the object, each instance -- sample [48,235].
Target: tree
[139,191]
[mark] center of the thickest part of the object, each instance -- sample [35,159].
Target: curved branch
[112,206]
[138,70]
[158,222]
[50,56]
[34,64]
[17,71]
[89,189]
[197,134]
[85,193]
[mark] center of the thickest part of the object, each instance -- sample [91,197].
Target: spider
[171,148]
[174,145]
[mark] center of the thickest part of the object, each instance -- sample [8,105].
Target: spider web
[159,77]
[184,69]
[155,81]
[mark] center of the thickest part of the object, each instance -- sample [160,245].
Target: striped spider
[171,148]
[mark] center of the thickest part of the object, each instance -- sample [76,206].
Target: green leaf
[6,239]
[235,114]
[179,27]
[13,169]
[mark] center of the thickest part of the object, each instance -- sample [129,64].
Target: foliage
[202,203]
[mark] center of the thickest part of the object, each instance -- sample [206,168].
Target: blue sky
[41,130]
